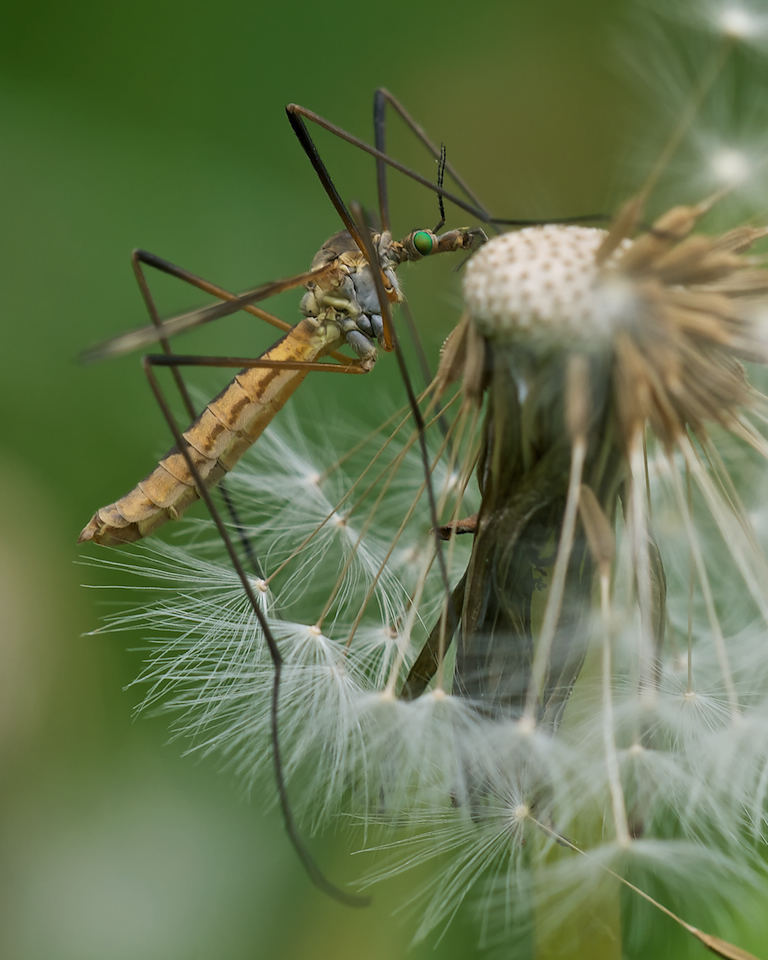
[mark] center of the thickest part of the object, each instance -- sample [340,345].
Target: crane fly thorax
[346,294]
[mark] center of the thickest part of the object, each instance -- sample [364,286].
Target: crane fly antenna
[295,112]
[381,98]
[440,178]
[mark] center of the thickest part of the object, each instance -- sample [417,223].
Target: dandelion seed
[730,167]
[742,22]
[739,23]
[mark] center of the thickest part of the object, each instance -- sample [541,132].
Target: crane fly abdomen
[228,426]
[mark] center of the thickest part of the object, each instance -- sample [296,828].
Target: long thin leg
[425,666]
[137,258]
[198,360]
[413,333]
[308,145]
[296,112]
[128,342]
[312,869]
[381,98]
[417,416]
[179,273]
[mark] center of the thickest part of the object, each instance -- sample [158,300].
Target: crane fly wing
[144,336]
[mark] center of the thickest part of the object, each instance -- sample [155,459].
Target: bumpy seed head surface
[540,284]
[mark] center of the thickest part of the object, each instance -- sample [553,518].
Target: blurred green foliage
[160,124]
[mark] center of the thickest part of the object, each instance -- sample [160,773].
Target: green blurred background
[160,124]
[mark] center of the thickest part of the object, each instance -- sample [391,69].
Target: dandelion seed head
[737,22]
[615,301]
[536,283]
[527,726]
[452,481]
[677,664]
[740,23]
[730,167]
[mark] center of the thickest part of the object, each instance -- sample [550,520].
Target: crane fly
[347,298]
[347,301]
[340,307]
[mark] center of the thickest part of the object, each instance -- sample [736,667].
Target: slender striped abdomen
[217,439]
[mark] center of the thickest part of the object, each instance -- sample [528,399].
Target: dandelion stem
[689,498]
[555,598]
[611,759]
[639,534]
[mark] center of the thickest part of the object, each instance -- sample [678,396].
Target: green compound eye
[424,242]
